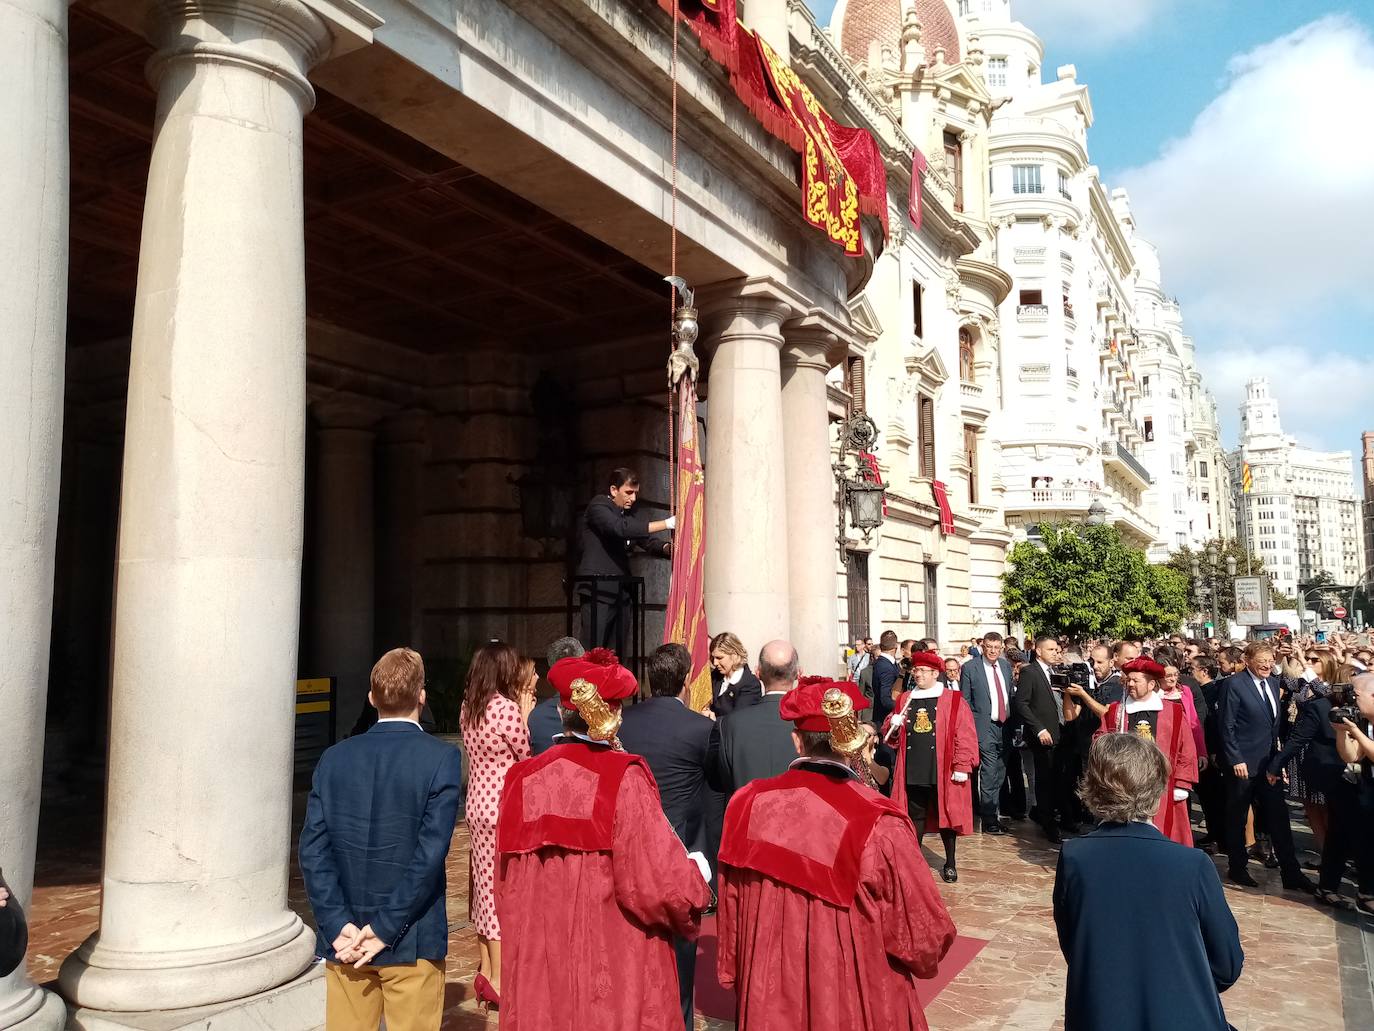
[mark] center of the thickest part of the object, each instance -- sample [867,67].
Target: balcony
[1032,313]
[1058,501]
[1135,528]
[972,401]
[1114,454]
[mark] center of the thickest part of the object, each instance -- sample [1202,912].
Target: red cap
[1149,667]
[928,659]
[601,668]
[802,704]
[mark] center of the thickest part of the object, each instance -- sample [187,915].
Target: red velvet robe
[956,749]
[798,960]
[587,929]
[1175,739]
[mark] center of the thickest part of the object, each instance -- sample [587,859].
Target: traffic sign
[1338,612]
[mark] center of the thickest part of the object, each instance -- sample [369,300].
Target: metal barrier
[623,596]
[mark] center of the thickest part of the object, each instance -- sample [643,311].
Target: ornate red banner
[685,621]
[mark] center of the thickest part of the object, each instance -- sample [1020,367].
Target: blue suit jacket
[1249,728]
[977,690]
[1146,931]
[674,741]
[377,831]
[545,723]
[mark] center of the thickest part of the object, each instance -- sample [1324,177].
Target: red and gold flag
[686,618]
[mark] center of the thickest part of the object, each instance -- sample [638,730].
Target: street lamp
[1097,513]
[862,494]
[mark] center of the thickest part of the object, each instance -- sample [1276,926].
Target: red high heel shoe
[487,996]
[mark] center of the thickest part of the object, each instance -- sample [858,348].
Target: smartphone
[1321,636]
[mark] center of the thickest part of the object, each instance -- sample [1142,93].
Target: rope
[672,268]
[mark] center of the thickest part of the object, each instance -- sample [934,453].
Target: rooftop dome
[861,22]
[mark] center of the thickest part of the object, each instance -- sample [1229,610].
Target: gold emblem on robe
[922,725]
[1142,729]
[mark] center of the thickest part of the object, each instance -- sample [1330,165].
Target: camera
[1342,697]
[1066,673]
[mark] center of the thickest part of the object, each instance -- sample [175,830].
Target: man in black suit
[14,931]
[887,670]
[609,528]
[755,741]
[986,684]
[544,721]
[1250,721]
[1038,711]
[1211,784]
[675,742]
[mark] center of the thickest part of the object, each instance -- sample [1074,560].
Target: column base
[33,1010]
[107,980]
[297,1005]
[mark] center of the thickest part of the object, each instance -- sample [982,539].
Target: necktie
[1001,695]
[1264,693]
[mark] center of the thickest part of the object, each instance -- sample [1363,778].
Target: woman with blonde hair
[1125,895]
[733,684]
[496,705]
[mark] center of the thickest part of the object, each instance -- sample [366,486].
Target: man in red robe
[827,916]
[592,883]
[937,749]
[1145,712]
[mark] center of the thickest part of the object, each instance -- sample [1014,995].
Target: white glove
[703,865]
[671,522]
[958,777]
[1179,794]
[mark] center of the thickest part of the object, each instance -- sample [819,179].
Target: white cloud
[1266,205]
[1075,24]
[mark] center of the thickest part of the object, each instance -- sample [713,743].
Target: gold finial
[602,721]
[846,736]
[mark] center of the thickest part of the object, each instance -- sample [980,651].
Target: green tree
[1084,582]
[1181,561]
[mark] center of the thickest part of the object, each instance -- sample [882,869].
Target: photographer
[1354,725]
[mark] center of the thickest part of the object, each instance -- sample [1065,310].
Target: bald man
[755,742]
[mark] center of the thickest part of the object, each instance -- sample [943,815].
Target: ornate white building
[1302,514]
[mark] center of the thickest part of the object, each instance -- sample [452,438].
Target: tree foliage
[1181,561]
[1084,582]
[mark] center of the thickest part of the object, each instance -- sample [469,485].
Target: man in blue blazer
[986,684]
[544,721]
[674,741]
[377,830]
[1250,722]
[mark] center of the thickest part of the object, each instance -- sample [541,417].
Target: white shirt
[997,686]
[1262,686]
[728,682]
[399,719]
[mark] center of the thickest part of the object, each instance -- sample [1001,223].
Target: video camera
[1065,673]
[1342,698]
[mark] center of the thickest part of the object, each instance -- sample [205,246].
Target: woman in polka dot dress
[496,703]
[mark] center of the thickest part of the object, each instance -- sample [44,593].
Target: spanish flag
[686,617]
[1245,478]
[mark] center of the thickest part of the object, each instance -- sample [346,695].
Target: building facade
[1301,514]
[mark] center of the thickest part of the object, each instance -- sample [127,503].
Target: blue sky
[1242,129]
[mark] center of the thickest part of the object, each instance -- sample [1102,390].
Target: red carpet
[715,1001]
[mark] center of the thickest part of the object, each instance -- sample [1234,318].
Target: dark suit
[14,934]
[747,692]
[675,742]
[377,830]
[1211,782]
[753,743]
[1036,708]
[994,736]
[1249,727]
[886,673]
[545,723]
[606,534]
[1127,883]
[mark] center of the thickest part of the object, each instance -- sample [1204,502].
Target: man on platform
[610,528]
[985,683]
[593,885]
[827,914]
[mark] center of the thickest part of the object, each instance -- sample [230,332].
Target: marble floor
[1306,967]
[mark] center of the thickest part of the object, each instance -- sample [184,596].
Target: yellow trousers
[410,995]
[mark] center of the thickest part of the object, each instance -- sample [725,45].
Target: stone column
[33,314]
[400,493]
[207,581]
[810,494]
[746,508]
[343,560]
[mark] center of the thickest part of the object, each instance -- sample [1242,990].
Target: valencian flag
[686,617]
[1246,482]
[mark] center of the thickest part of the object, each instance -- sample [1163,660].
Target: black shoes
[949,874]
[1299,882]
[993,828]
[1243,878]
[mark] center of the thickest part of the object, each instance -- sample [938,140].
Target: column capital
[816,340]
[347,412]
[759,300]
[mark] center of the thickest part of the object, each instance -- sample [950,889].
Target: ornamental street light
[862,494]
[1097,513]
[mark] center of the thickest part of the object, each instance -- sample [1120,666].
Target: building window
[997,73]
[963,12]
[1025,179]
[925,428]
[1202,468]
[854,385]
[932,602]
[1031,297]
[917,323]
[856,582]
[1145,385]
[954,161]
[971,454]
[1064,185]
[966,354]
[1149,429]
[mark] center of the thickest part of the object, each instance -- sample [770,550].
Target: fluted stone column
[810,493]
[746,515]
[33,314]
[197,836]
[343,602]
